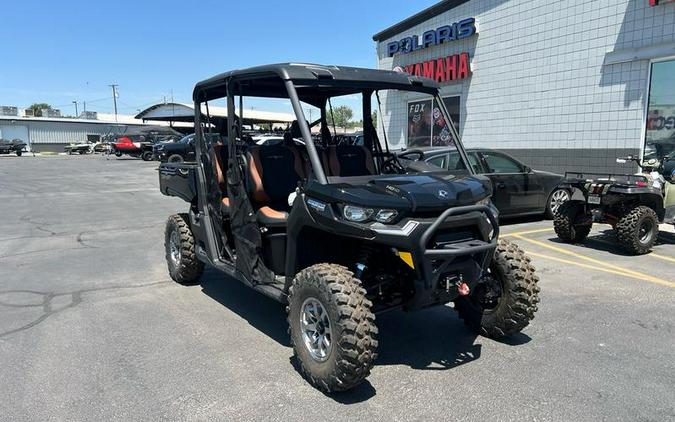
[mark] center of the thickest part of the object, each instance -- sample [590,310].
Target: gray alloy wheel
[557,198]
[316,329]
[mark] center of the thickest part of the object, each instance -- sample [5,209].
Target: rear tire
[118,154]
[146,156]
[18,153]
[179,244]
[512,309]
[638,230]
[175,158]
[570,223]
[351,348]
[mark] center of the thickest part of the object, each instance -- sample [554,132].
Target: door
[12,132]
[516,189]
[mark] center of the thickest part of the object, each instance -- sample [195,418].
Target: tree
[342,115]
[373,117]
[37,108]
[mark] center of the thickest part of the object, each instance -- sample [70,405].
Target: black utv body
[342,232]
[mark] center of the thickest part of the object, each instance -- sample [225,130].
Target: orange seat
[273,173]
[220,151]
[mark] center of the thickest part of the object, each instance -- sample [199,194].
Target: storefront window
[426,125]
[660,134]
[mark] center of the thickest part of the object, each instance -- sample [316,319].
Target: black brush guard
[462,261]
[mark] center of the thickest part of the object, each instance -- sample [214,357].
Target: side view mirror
[527,169]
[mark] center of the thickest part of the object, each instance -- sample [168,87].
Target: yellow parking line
[606,270]
[667,258]
[624,271]
[527,232]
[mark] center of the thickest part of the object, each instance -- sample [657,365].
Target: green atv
[634,205]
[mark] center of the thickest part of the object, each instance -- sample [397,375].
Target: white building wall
[540,87]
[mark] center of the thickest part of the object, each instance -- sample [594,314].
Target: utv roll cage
[314,85]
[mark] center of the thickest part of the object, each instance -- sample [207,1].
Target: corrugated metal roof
[185,112]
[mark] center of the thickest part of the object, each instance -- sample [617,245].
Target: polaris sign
[446,33]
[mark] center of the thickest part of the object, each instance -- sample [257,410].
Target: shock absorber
[363,258]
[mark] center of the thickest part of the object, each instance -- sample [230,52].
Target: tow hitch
[456,282]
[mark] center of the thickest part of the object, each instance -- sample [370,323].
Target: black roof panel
[337,80]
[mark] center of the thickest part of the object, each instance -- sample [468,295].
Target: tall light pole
[114,93]
[75,102]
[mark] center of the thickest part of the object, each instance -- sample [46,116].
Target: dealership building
[560,85]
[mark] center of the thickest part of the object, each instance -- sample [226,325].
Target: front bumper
[440,267]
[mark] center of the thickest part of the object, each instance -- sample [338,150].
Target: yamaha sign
[441,69]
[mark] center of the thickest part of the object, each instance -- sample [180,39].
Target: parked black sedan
[181,150]
[518,189]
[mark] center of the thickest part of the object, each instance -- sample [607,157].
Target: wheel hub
[645,231]
[558,198]
[316,329]
[174,248]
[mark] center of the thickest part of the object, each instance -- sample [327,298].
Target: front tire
[179,244]
[638,230]
[118,153]
[18,153]
[571,223]
[506,299]
[332,327]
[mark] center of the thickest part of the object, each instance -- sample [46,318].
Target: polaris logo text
[446,33]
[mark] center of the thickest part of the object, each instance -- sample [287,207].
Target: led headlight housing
[360,214]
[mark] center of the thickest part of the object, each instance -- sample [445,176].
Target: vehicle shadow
[605,241]
[261,312]
[431,339]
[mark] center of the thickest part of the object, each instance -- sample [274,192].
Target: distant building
[52,133]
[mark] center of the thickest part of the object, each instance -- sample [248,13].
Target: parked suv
[340,233]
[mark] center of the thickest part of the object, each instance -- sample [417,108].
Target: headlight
[484,201]
[385,216]
[357,214]
[362,214]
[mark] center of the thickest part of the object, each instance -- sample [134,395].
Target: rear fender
[178,179]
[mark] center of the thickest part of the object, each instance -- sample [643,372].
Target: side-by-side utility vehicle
[339,233]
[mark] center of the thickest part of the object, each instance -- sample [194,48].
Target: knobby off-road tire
[179,243]
[18,153]
[566,222]
[638,230]
[353,332]
[517,302]
[118,154]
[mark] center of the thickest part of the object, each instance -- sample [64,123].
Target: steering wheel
[418,153]
[391,164]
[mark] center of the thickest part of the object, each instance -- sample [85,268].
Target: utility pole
[84,103]
[114,91]
[75,102]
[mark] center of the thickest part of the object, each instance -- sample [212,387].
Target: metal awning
[178,112]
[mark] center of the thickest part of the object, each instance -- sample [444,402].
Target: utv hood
[418,193]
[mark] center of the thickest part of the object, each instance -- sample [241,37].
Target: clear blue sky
[59,52]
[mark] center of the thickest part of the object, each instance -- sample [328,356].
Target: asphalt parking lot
[92,328]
